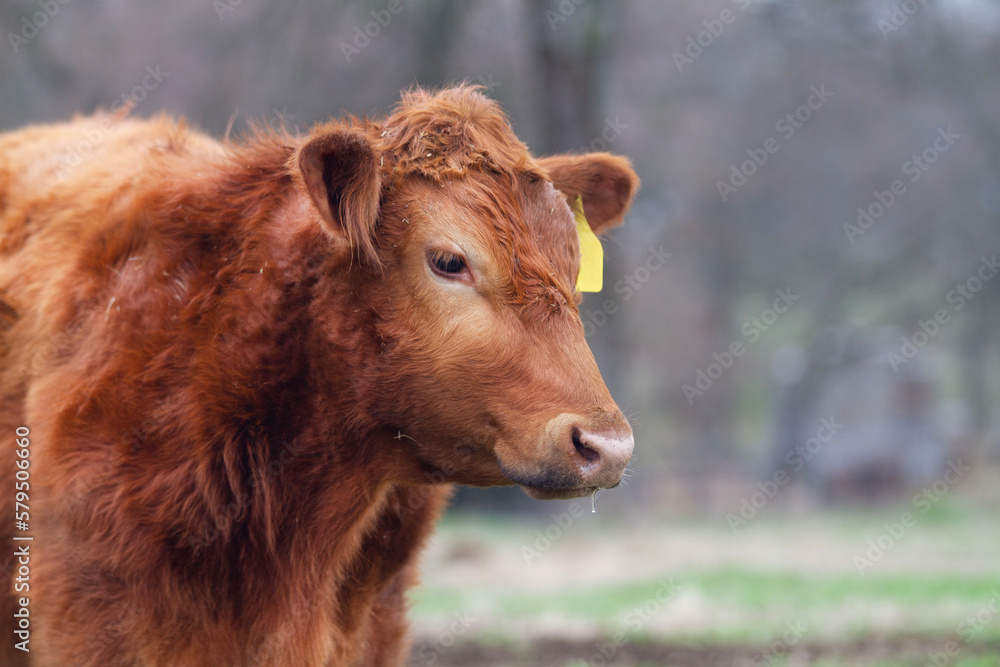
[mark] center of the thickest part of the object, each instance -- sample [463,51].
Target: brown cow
[248,372]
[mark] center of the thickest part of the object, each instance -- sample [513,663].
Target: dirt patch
[906,652]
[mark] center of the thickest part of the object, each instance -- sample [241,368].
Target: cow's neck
[332,488]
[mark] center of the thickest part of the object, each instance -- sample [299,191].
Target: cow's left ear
[340,171]
[606,183]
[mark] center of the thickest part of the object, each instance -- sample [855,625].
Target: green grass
[741,604]
[765,597]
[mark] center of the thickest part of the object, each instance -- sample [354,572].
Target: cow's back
[61,182]
[64,190]
[60,187]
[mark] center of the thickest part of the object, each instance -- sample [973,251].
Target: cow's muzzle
[584,455]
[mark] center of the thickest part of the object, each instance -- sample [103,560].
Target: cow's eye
[447,264]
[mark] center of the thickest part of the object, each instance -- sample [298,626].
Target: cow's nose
[600,456]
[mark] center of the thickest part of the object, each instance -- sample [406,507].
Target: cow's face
[482,364]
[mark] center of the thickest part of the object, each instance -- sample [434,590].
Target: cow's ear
[340,171]
[606,183]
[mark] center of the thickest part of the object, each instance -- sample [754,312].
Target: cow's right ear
[340,171]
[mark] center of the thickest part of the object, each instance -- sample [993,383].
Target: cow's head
[467,252]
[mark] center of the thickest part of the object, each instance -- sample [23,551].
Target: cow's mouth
[556,484]
[547,493]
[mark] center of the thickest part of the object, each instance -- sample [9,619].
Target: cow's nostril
[589,455]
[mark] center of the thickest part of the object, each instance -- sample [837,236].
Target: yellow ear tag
[591,278]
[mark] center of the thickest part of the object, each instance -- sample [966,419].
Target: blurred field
[693,593]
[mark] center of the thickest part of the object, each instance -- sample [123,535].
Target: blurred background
[799,316]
